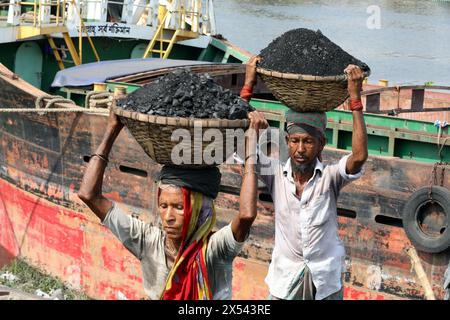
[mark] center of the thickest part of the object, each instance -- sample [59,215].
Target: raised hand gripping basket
[155,135]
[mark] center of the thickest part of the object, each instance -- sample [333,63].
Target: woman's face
[171,210]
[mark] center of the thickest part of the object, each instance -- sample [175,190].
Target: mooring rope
[54,110]
[51,101]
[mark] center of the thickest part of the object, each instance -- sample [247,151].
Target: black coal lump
[305,51]
[186,94]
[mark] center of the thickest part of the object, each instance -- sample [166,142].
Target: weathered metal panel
[76,248]
[408,100]
[42,219]
[71,245]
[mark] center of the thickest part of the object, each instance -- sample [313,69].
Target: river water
[405,42]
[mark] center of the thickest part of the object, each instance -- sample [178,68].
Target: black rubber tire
[419,239]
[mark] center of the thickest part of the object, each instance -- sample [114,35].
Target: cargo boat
[43,157]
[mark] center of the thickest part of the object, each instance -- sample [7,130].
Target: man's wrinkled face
[303,150]
[171,210]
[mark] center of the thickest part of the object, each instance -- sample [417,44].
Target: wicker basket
[306,93]
[154,134]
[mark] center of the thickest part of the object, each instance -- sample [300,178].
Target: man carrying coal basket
[185,260]
[308,256]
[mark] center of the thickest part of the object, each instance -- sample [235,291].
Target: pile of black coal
[188,95]
[308,52]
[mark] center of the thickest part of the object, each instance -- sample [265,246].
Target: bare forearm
[250,78]
[93,177]
[249,187]
[91,186]
[247,204]
[247,200]
[242,223]
[109,138]
[359,144]
[359,137]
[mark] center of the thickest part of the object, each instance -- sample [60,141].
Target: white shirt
[306,228]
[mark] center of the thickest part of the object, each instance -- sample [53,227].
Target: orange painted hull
[76,248]
[42,160]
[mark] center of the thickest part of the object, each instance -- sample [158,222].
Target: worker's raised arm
[250,78]
[242,223]
[359,136]
[91,187]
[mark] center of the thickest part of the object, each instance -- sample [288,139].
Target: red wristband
[246,93]
[356,105]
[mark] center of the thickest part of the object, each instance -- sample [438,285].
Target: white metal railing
[37,12]
[3,8]
[194,15]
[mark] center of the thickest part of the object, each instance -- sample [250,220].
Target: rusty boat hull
[42,161]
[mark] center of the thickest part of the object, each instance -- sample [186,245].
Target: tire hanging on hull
[426,219]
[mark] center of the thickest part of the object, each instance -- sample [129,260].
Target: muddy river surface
[406,42]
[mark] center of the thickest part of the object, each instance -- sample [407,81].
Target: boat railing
[192,15]
[36,13]
[4,11]
[138,12]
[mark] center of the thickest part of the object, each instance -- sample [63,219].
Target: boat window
[234,79]
[346,213]
[390,221]
[134,171]
[125,169]
[265,197]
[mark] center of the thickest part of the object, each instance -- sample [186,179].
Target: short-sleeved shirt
[146,242]
[306,228]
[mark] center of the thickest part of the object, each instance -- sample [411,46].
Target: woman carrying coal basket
[185,260]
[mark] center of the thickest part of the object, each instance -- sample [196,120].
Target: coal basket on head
[169,140]
[307,93]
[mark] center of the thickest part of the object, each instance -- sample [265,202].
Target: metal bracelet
[102,157]
[250,155]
